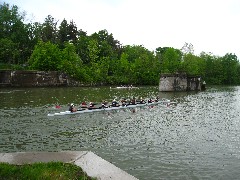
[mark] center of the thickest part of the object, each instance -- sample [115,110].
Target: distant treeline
[99,58]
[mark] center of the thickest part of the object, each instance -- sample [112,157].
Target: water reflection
[197,139]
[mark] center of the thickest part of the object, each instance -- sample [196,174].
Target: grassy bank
[51,170]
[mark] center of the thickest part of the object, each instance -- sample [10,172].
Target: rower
[132,101]
[150,100]
[157,99]
[114,103]
[124,102]
[72,108]
[104,104]
[142,101]
[84,104]
[91,105]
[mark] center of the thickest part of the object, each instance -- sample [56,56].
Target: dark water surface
[197,139]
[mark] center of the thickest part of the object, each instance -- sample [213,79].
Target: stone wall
[9,78]
[179,82]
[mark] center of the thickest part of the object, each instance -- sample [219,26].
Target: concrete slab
[92,164]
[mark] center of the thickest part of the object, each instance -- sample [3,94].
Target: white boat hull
[109,109]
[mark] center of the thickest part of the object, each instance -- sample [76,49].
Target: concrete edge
[92,164]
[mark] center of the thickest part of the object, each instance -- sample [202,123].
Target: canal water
[199,138]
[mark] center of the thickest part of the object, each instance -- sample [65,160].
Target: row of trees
[99,58]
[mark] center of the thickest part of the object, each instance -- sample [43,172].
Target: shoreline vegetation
[99,58]
[51,170]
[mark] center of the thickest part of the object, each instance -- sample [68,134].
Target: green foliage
[51,170]
[46,57]
[192,64]
[93,51]
[70,63]
[13,35]
[49,30]
[108,46]
[82,47]
[67,33]
[171,60]
[230,66]
[8,54]
[124,70]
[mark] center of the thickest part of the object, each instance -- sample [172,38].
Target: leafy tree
[230,68]
[49,30]
[123,71]
[10,21]
[93,50]
[67,33]
[8,53]
[99,70]
[71,63]
[63,33]
[170,62]
[13,31]
[46,57]
[169,59]
[193,65]
[213,69]
[72,32]
[142,64]
[82,47]
[34,34]
[108,46]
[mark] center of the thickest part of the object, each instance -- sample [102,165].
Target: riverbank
[92,164]
[21,78]
[50,170]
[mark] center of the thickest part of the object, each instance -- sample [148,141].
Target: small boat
[90,110]
[125,87]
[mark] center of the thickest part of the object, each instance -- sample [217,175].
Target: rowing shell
[109,108]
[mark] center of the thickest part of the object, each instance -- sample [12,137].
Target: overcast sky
[209,25]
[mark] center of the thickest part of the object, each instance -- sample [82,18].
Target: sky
[212,26]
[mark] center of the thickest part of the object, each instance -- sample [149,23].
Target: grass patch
[51,170]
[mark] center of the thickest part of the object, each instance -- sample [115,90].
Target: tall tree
[63,33]
[108,46]
[67,33]
[230,67]
[72,32]
[82,47]
[49,30]
[14,31]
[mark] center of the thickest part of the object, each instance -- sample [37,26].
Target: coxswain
[72,108]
